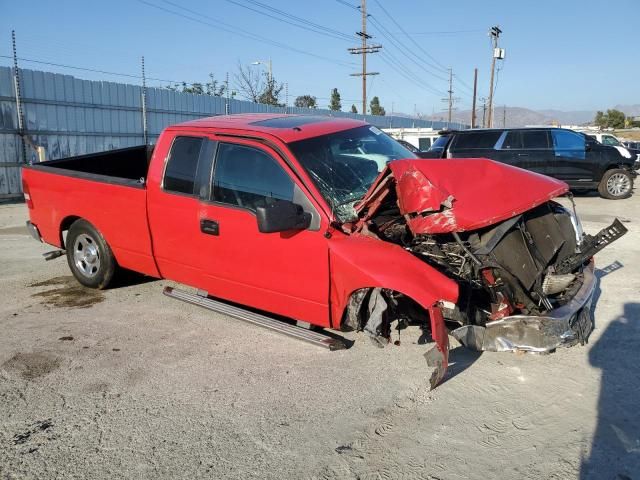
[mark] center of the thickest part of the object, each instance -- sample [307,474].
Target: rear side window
[477,140]
[535,139]
[180,173]
[249,178]
[513,140]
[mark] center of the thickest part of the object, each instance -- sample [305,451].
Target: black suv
[574,157]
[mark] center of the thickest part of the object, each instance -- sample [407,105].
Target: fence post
[16,86]
[144,105]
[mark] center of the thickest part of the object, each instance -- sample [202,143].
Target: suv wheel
[616,184]
[90,259]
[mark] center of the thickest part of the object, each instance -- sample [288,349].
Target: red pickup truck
[331,222]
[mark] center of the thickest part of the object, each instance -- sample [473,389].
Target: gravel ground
[128,383]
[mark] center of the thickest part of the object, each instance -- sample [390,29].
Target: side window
[180,172]
[249,178]
[568,144]
[424,144]
[476,140]
[513,140]
[535,139]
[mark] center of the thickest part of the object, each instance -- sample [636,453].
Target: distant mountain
[521,117]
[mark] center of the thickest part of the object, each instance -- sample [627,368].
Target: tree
[615,118]
[612,119]
[376,108]
[306,101]
[270,95]
[335,104]
[258,88]
[214,88]
[249,83]
[354,109]
[211,88]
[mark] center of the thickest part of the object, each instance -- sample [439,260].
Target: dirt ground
[128,383]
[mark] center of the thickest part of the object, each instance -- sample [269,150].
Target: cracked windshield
[344,164]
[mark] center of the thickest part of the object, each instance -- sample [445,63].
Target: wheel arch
[65,224]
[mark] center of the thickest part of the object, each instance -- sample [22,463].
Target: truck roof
[286,127]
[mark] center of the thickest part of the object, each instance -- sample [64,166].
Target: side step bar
[293,331]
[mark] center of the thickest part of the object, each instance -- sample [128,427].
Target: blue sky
[562,54]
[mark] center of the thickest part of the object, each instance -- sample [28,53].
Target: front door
[285,273]
[571,161]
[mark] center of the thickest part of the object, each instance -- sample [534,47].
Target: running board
[293,331]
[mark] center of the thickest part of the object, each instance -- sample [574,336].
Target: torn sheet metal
[563,326]
[438,356]
[443,196]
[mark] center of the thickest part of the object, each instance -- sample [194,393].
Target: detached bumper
[33,230]
[563,326]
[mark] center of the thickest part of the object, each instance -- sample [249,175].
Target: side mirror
[588,147]
[282,215]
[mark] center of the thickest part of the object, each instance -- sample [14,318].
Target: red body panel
[307,275]
[118,212]
[358,261]
[456,195]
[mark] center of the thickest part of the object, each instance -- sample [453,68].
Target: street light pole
[269,66]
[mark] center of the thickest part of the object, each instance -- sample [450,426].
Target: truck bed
[107,189]
[124,165]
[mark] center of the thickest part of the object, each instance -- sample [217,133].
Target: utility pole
[227,106]
[484,111]
[475,92]
[363,50]
[450,91]
[450,99]
[504,116]
[497,54]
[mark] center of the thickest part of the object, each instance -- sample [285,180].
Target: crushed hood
[455,195]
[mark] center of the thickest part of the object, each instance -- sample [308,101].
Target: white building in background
[421,138]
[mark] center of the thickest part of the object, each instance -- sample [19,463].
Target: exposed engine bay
[514,275]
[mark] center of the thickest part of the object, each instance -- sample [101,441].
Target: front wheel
[90,259]
[616,184]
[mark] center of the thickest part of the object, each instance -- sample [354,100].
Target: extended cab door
[285,273]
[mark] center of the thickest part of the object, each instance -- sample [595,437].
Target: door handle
[523,154]
[210,227]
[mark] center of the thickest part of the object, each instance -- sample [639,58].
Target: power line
[441,32]
[398,67]
[302,23]
[86,69]
[402,49]
[439,65]
[220,25]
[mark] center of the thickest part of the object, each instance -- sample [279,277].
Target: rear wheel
[616,184]
[90,259]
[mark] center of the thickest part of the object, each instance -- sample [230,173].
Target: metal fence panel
[70,116]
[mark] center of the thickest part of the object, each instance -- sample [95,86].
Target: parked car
[611,140]
[286,215]
[412,149]
[564,154]
[634,148]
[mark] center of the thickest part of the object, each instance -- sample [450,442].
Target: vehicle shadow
[615,449]
[460,358]
[599,274]
[128,278]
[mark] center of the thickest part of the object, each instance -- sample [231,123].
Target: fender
[358,261]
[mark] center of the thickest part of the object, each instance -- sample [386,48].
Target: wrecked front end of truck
[523,265]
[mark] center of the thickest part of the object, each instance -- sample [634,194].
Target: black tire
[616,184]
[89,256]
